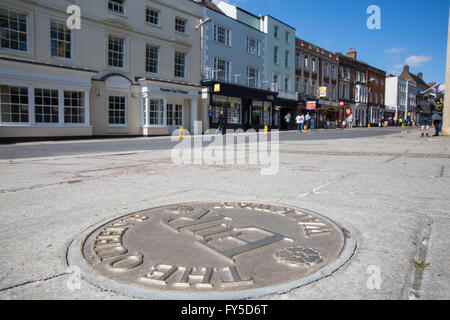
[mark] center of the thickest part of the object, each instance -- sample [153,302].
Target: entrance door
[256,117]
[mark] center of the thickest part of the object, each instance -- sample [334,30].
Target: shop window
[46,106]
[74,107]
[14,104]
[156,112]
[174,114]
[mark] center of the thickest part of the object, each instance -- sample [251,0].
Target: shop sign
[342,103]
[217,87]
[169,90]
[322,92]
[311,105]
[348,111]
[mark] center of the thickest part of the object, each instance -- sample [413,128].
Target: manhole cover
[212,250]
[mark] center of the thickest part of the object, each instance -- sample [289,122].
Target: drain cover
[209,250]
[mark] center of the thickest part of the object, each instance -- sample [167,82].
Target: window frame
[122,5]
[124,52]
[227,35]
[18,51]
[147,46]
[71,42]
[118,125]
[184,25]
[184,67]
[147,9]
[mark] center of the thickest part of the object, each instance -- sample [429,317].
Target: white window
[286,36]
[358,78]
[116,52]
[156,112]
[306,62]
[117,111]
[13,29]
[297,84]
[222,35]
[46,106]
[326,69]
[180,65]
[180,25]
[313,65]
[252,77]
[275,55]
[74,107]
[363,77]
[286,84]
[286,59]
[14,104]
[253,46]
[152,16]
[347,75]
[341,72]
[117,6]
[152,59]
[174,114]
[221,69]
[60,40]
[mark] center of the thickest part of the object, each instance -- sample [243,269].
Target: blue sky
[412,31]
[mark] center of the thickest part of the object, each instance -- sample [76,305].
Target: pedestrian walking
[426,111]
[307,121]
[287,119]
[300,119]
[350,121]
[222,122]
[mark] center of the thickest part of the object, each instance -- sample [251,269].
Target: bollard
[403,125]
[305,128]
[181,133]
[266,129]
[368,126]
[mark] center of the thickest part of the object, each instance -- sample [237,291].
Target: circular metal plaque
[209,250]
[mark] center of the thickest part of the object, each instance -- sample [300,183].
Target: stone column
[446,119]
[194,116]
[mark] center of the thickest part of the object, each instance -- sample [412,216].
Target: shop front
[359,112]
[244,108]
[375,114]
[328,114]
[286,106]
[165,107]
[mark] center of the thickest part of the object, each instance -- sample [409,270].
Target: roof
[210,5]
[415,78]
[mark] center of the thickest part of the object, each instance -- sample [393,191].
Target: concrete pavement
[392,191]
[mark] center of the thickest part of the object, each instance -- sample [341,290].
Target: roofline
[268,15]
[224,14]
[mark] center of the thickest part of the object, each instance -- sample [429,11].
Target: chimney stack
[420,75]
[406,68]
[351,53]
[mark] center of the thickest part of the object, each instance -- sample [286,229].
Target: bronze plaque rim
[76,256]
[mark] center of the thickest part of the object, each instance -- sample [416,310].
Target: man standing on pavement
[287,118]
[307,121]
[222,122]
[426,109]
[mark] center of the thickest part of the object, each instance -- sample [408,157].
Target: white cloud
[417,61]
[395,50]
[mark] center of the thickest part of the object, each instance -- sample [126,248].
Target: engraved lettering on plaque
[237,280]
[246,245]
[159,274]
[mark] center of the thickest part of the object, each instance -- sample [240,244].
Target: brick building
[353,87]
[316,68]
[376,83]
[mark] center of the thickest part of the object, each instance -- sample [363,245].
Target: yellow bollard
[305,128]
[266,129]
[403,125]
[368,126]
[181,133]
